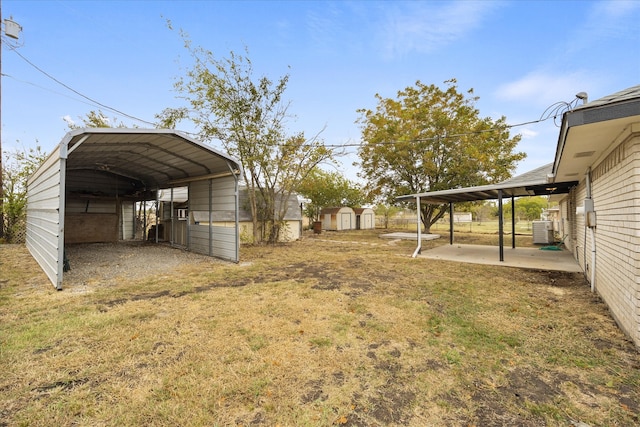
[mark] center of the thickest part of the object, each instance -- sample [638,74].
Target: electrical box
[588,205]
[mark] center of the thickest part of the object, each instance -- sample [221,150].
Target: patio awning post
[451,223]
[500,226]
[419,225]
[513,222]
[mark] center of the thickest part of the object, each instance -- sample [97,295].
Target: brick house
[595,177]
[599,146]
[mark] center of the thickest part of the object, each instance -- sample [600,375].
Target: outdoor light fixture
[583,96]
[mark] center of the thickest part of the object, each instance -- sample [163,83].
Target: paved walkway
[534,258]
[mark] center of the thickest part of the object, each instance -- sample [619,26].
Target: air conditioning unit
[543,232]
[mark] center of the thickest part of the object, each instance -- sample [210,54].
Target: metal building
[86,191]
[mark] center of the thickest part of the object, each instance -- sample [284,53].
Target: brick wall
[616,195]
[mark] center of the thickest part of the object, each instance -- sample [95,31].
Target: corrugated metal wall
[45,210]
[127,220]
[217,196]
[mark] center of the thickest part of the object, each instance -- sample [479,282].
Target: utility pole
[1,168]
[11,29]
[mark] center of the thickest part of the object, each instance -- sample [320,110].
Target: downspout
[591,226]
[419,216]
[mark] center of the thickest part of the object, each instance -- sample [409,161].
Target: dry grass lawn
[337,329]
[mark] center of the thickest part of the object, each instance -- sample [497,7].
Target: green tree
[227,103]
[386,211]
[17,166]
[329,189]
[482,211]
[96,119]
[530,208]
[431,139]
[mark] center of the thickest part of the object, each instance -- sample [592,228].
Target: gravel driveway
[101,264]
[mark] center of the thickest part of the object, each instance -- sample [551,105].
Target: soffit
[589,132]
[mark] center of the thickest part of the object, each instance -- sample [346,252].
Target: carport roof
[533,183]
[130,162]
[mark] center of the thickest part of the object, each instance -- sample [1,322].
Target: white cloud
[68,120]
[426,27]
[528,133]
[605,21]
[543,88]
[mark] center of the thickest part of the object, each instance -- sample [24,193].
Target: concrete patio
[533,258]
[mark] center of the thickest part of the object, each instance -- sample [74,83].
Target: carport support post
[157,211]
[513,222]
[500,226]
[171,217]
[451,223]
[144,221]
[211,217]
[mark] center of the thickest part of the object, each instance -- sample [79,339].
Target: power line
[551,112]
[81,94]
[47,89]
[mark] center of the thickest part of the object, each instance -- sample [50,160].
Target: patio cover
[538,182]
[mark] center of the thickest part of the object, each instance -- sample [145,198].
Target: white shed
[365,218]
[86,190]
[343,218]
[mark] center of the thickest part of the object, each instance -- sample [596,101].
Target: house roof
[532,183]
[134,162]
[587,132]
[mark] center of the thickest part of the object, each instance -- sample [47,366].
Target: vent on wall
[584,154]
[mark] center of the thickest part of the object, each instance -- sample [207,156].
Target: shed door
[345,221]
[368,221]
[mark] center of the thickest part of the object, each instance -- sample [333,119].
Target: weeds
[337,329]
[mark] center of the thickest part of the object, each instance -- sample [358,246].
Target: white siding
[45,216]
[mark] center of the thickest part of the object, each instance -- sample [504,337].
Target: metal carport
[119,164]
[537,182]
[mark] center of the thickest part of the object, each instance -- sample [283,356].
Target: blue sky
[520,57]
